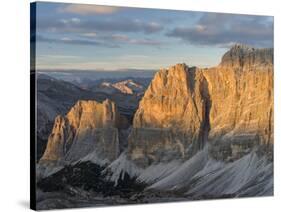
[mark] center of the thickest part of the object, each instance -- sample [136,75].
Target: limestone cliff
[172,118]
[88,127]
[229,106]
[241,91]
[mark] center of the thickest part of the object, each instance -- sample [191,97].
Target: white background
[14,103]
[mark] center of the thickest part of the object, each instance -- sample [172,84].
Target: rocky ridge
[229,106]
[128,87]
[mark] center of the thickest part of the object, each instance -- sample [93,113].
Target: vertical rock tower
[172,118]
[88,127]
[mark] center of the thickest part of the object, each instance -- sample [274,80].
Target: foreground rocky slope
[201,177]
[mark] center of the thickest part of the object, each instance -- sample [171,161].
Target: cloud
[92,39]
[123,39]
[119,37]
[89,34]
[148,42]
[66,40]
[226,29]
[104,25]
[83,9]
[71,21]
[56,56]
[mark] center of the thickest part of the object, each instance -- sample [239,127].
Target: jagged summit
[175,68]
[241,55]
[179,66]
[243,47]
[170,88]
[128,86]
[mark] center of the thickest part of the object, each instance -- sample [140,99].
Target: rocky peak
[168,94]
[93,114]
[245,56]
[171,116]
[128,86]
[88,126]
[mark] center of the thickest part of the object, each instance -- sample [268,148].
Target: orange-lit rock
[89,126]
[229,106]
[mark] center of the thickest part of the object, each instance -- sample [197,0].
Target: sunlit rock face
[88,127]
[241,91]
[229,106]
[171,120]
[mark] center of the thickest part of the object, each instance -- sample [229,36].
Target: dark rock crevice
[207,104]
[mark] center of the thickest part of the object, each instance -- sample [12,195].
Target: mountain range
[192,133]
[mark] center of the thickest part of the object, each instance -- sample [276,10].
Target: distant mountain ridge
[128,86]
[87,79]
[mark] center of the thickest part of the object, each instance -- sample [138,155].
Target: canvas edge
[32,106]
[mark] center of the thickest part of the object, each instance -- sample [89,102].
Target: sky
[95,37]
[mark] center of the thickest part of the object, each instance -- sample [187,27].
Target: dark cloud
[106,25]
[226,29]
[66,40]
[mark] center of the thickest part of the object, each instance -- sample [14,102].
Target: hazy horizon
[105,38]
[95,75]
